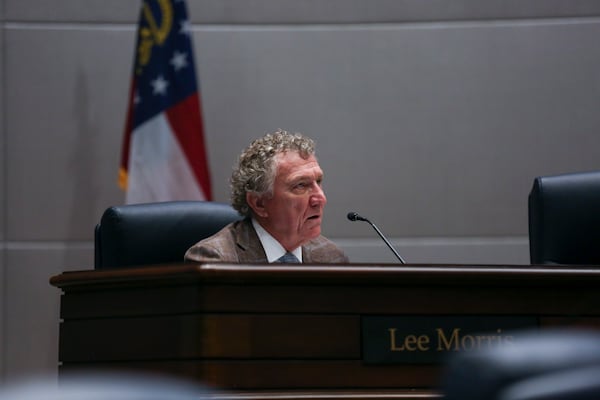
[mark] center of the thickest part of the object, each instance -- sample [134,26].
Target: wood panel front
[254,327]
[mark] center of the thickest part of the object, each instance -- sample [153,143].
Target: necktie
[288,258]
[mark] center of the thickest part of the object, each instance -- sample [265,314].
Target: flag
[163,155]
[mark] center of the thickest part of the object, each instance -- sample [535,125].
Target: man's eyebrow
[304,177]
[300,178]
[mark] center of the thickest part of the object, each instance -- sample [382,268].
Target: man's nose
[318,196]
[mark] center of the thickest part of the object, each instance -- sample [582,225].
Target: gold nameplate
[427,340]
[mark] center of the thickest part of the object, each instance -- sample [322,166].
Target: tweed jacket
[238,242]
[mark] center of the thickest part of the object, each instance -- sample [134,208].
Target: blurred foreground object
[105,386]
[544,365]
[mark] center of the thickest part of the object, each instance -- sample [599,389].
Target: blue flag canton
[164,72]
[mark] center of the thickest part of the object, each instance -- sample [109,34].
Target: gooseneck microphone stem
[352,216]
[387,242]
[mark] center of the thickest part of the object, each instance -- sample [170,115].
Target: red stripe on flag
[186,122]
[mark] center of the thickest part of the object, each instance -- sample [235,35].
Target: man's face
[294,213]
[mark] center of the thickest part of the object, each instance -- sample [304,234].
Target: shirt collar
[273,249]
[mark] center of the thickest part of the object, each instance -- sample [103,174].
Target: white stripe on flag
[158,168]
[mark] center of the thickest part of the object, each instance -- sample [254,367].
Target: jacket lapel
[249,248]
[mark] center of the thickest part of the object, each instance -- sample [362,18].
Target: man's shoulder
[224,234]
[323,250]
[230,233]
[218,247]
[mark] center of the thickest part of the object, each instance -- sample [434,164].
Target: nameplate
[427,340]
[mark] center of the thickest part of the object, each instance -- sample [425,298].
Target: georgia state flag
[163,156]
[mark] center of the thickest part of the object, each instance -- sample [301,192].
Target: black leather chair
[544,365]
[156,233]
[564,219]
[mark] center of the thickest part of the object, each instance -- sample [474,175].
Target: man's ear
[257,204]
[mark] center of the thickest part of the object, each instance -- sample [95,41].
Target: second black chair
[564,219]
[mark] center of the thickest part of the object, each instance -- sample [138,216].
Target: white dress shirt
[273,249]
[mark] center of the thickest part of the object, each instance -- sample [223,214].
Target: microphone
[353,216]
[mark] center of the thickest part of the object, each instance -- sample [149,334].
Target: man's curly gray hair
[257,167]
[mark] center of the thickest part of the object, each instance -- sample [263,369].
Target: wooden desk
[270,332]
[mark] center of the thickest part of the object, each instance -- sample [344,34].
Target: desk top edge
[323,273]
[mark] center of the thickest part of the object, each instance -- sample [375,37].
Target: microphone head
[353,216]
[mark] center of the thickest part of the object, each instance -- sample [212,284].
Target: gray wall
[431,117]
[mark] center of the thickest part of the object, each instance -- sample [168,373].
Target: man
[277,187]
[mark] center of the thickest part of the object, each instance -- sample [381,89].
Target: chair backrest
[156,233]
[543,365]
[564,219]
